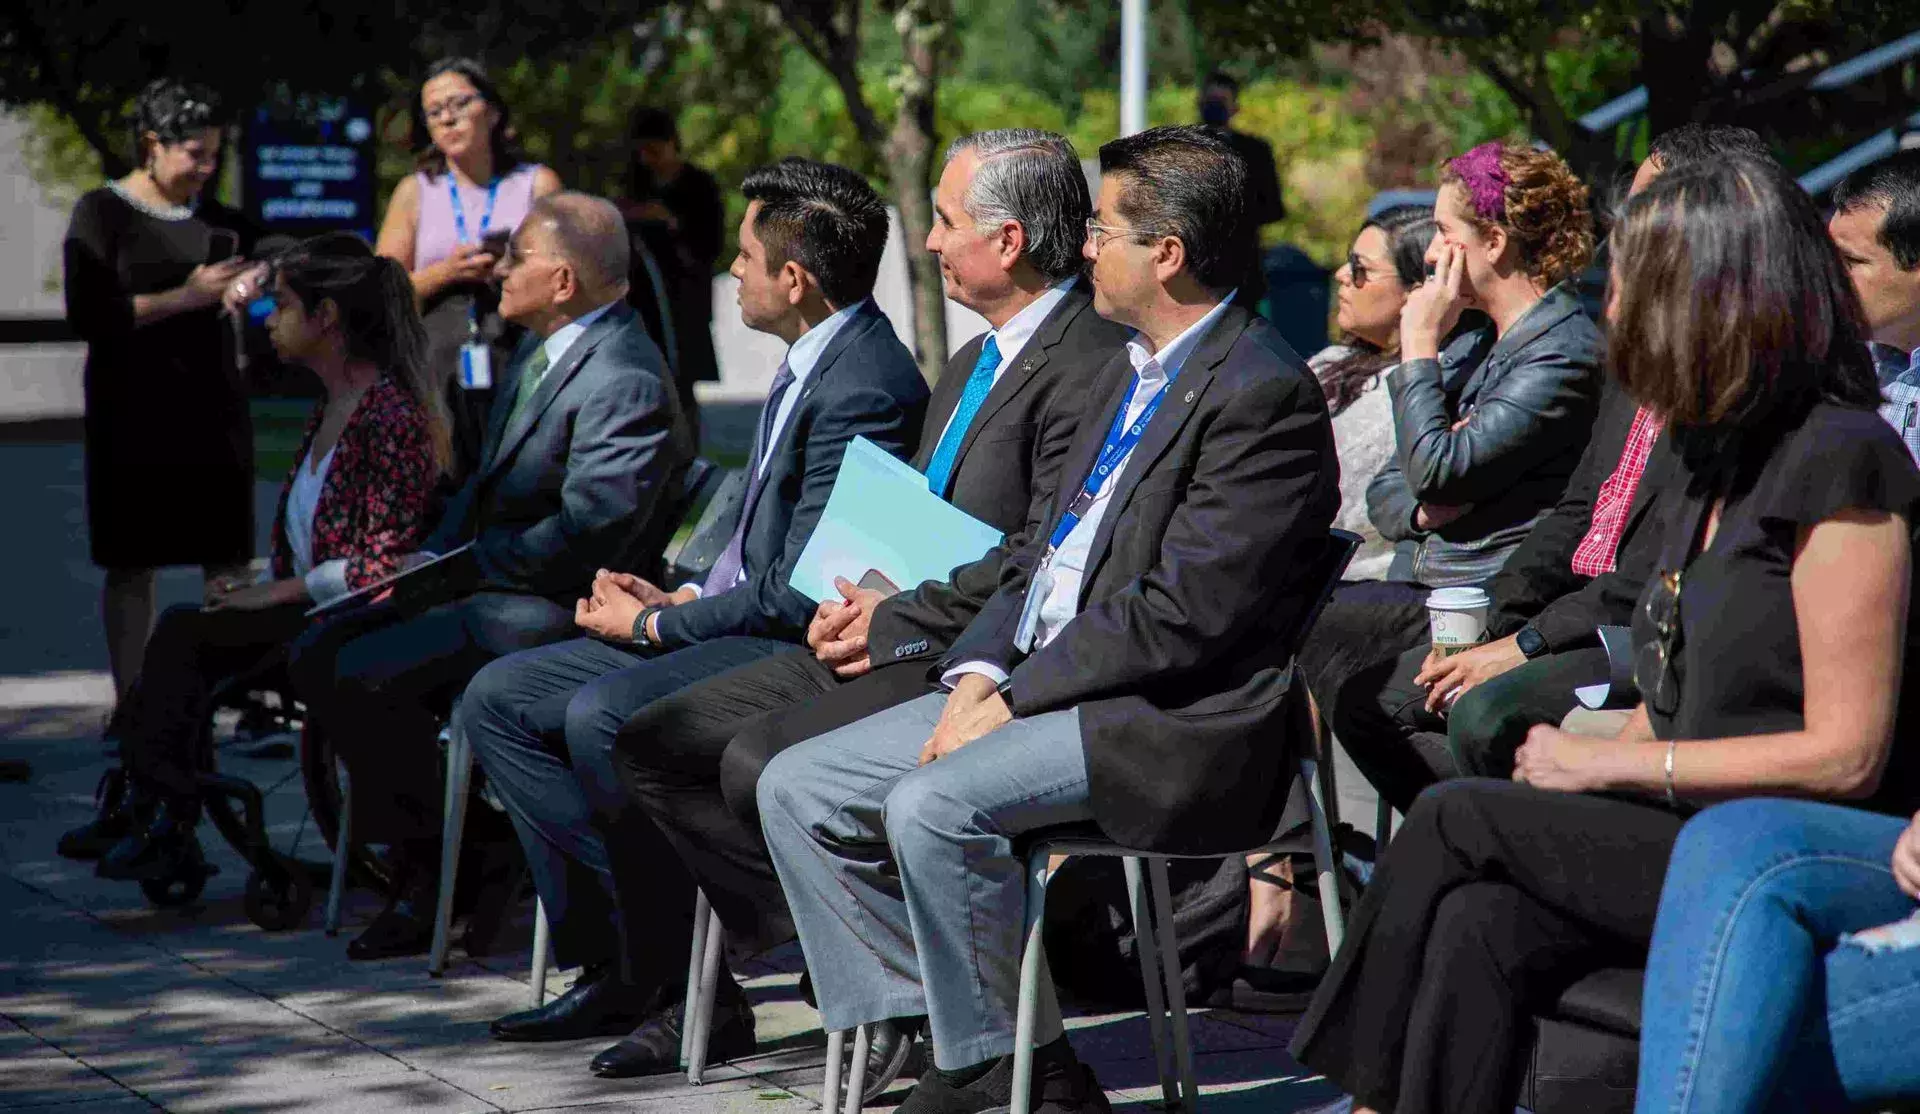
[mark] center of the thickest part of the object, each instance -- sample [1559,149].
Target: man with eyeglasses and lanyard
[1133,669]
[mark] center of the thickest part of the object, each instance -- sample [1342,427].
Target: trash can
[1299,294]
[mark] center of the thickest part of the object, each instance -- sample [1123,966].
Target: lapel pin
[1191,395]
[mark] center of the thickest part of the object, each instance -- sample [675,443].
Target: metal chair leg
[542,948]
[1176,984]
[1326,866]
[1033,959]
[857,1071]
[836,1063]
[1149,953]
[459,780]
[697,1012]
[696,961]
[1382,829]
[342,854]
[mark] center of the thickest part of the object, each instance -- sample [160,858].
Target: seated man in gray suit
[586,440]
[542,722]
[1134,669]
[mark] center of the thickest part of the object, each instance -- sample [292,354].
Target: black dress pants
[191,651]
[1365,622]
[1380,717]
[691,762]
[1493,898]
[380,683]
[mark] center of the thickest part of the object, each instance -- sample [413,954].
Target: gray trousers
[906,883]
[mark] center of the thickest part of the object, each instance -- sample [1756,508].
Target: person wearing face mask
[447,224]
[169,444]
[360,495]
[1219,104]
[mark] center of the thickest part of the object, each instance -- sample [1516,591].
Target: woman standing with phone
[447,224]
[169,443]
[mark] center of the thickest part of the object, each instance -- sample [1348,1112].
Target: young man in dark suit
[1133,670]
[542,722]
[1011,210]
[586,438]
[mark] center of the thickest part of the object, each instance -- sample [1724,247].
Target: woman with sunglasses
[1772,651]
[448,224]
[1385,264]
[361,494]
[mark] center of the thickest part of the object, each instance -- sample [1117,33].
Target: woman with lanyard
[447,225]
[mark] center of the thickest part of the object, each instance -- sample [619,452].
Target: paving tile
[414,1092]
[538,1076]
[45,1078]
[1254,1082]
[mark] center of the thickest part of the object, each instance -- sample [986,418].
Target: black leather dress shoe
[654,1047]
[163,849]
[403,928]
[116,816]
[597,1005]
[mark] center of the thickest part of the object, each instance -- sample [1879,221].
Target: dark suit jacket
[1007,467]
[1538,584]
[866,384]
[1180,660]
[571,486]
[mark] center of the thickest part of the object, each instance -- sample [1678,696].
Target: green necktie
[530,377]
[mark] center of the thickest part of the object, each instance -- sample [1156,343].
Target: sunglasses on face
[1357,270]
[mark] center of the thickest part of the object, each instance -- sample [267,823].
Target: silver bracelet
[1671,802]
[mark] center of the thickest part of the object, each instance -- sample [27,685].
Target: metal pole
[1133,66]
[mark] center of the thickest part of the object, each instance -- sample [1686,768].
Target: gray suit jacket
[571,484]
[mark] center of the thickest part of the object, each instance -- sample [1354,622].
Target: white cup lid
[1460,599]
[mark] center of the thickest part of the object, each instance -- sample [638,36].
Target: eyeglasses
[1653,662]
[452,108]
[1095,229]
[1357,270]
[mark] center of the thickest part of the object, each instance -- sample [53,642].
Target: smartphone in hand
[222,244]
[876,581]
[494,243]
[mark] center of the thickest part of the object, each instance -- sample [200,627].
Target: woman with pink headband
[1493,401]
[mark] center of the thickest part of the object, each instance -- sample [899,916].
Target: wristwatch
[640,635]
[1530,642]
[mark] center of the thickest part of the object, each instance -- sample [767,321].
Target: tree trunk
[909,155]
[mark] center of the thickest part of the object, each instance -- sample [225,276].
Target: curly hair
[1546,212]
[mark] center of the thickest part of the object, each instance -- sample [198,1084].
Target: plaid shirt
[1900,387]
[1600,547]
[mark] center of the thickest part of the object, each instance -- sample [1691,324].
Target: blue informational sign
[308,166]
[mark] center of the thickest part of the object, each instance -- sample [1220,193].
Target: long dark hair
[378,317]
[1409,229]
[1733,313]
[429,159]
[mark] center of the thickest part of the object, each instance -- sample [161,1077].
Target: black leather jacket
[1529,401]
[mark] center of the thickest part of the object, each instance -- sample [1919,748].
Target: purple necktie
[727,566]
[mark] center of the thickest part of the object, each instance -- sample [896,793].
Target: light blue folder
[881,516]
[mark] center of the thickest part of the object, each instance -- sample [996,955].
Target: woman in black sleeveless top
[1770,650]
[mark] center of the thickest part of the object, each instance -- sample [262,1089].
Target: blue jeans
[542,724]
[1752,1000]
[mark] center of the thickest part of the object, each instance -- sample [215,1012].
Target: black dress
[169,441]
[1495,896]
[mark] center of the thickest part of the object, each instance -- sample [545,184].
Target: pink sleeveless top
[436,233]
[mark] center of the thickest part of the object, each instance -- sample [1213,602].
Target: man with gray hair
[1011,208]
[586,439]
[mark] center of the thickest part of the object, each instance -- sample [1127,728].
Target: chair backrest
[724,494]
[1328,567]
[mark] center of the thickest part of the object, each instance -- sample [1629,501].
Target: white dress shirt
[563,337]
[328,580]
[1012,337]
[802,357]
[1068,564]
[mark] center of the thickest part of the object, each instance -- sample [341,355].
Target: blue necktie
[940,468]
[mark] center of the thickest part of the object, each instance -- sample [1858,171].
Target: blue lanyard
[460,214]
[1118,444]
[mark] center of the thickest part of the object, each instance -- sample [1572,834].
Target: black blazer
[1538,584]
[572,485]
[1006,471]
[866,384]
[1180,659]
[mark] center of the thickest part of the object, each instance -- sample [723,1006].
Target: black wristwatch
[640,635]
[1530,642]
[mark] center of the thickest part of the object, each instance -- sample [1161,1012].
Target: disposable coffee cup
[1458,618]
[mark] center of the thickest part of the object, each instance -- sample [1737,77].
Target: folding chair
[1158,945]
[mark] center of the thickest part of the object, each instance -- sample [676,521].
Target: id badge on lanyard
[1121,438]
[476,358]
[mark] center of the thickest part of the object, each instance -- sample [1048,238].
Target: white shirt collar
[1012,337]
[1157,367]
[806,352]
[563,337]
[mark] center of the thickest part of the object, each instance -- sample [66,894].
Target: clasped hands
[616,599]
[838,633]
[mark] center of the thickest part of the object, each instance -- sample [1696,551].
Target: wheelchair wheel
[175,890]
[320,774]
[279,894]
